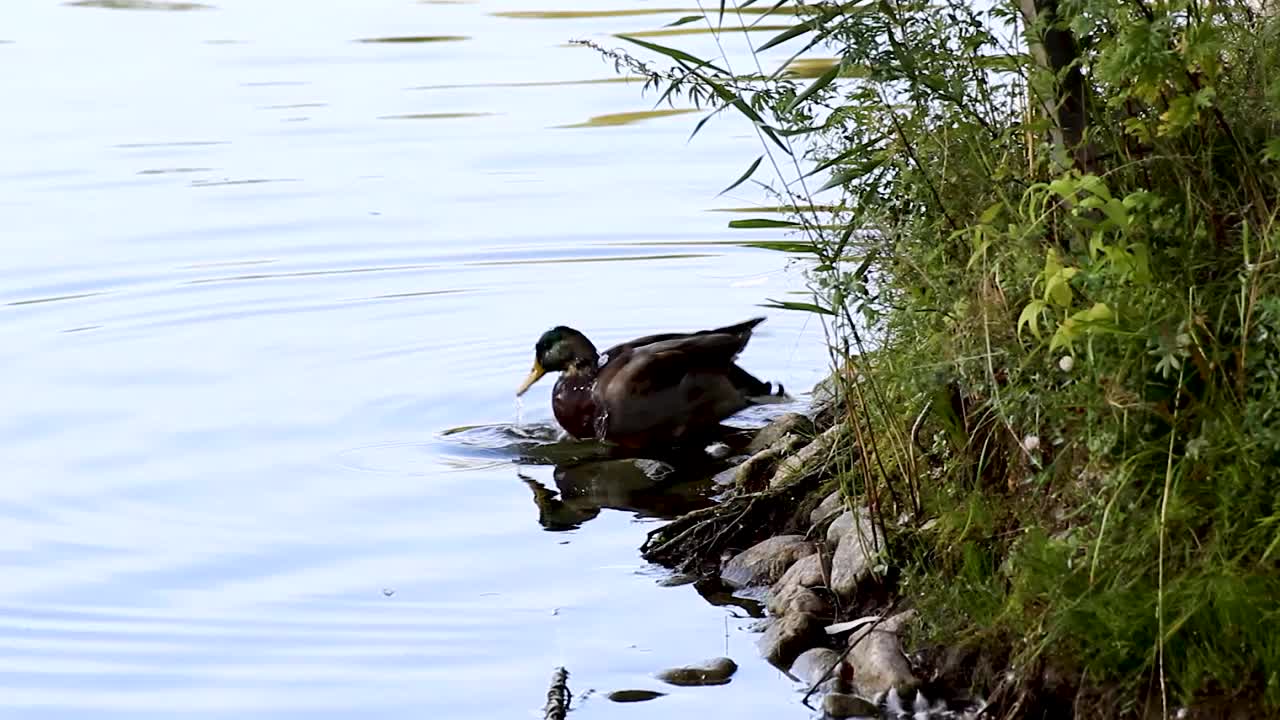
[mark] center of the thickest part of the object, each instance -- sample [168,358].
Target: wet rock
[726,477]
[830,506]
[627,696]
[766,561]
[791,592]
[716,671]
[876,661]
[655,469]
[719,451]
[812,668]
[786,424]
[855,556]
[677,580]
[844,705]
[789,636]
[808,457]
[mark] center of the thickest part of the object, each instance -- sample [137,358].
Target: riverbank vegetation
[1050,286]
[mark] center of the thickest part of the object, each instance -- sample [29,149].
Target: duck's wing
[740,329]
[661,362]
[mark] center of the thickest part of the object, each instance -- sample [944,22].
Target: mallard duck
[666,388]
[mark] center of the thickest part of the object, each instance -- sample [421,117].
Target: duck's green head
[559,349]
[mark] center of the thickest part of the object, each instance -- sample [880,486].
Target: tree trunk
[1057,52]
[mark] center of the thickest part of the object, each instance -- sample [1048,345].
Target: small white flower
[1031,443]
[1066,363]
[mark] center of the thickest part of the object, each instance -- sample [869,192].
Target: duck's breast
[574,407]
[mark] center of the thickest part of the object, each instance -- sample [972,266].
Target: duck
[666,389]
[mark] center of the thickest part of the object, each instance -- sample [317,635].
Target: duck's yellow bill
[534,376]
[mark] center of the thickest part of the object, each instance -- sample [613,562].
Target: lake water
[254,270]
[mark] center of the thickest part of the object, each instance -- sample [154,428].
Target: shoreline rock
[716,671]
[817,573]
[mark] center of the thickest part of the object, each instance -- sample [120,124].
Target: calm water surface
[254,270]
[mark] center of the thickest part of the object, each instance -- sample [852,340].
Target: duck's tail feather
[757,391]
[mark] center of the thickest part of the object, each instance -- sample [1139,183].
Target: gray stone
[831,505]
[726,477]
[628,696]
[876,661]
[716,671]
[791,591]
[677,580]
[844,705]
[812,666]
[788,636]
[855,556]
[839,528]
[655,469]
[766,561]
[786,424]
[799,600]
[808,457]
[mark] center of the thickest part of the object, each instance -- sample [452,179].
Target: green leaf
[861,272]
[798,248]
[729,97]
[1100,312]
[672,53]
[1068,332]
[684,20]
[1057,289]
[859,150]
[803,307]
[768,12]
[851,173]
[758,223]
[823,80]
[1031,316]
[704,120]
[1272,151]
[990,214]
[745,175]
[789,34]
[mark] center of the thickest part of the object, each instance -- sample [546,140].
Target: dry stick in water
[557,696]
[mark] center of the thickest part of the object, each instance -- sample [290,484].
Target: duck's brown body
[659,389]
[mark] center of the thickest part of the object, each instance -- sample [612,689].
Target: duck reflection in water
[646,487]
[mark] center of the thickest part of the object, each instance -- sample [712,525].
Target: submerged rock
[855,556]
[765,562]
[677,580]
[786,424]
[789,636]
[844,705]
[656,470]
[716,671]
[876,662]
[626,696]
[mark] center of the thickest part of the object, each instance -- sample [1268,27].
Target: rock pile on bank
[820,577]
